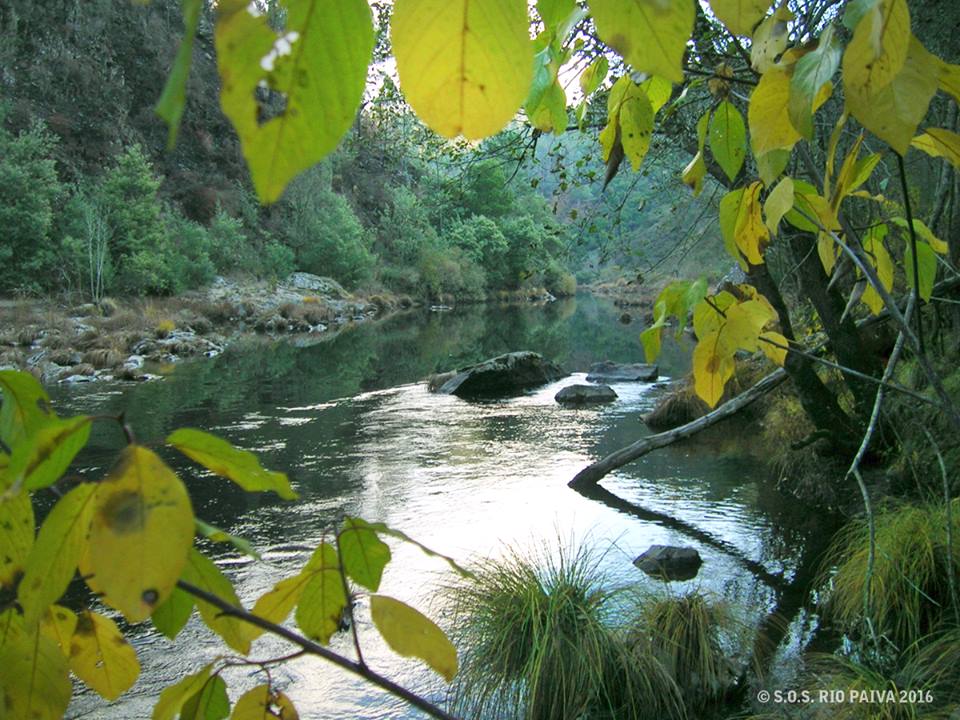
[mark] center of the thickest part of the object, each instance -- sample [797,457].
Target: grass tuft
[539,641]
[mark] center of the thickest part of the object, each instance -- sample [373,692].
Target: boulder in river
[607,372]
[670,562]
[585,395]
[501,376]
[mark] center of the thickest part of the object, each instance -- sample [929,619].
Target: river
[350,421]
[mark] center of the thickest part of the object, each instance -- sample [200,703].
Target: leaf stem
[314,648]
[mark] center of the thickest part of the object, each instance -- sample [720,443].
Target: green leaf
[410,633]
[893,112]
[636,125]
[383,529]
[728,138]
[651,35]
[202,572]
[140,533]
[927,268]
[554,12]
[320,75]
[34,678]
[323,599]
[174,97]
[172,615]
[363,554]
[222,458]
[877,255]
[56,552]
[771,165]
[102,657]
[740,16]
[950,79]
[729,209]
[465,68]
[594,75]
[173,697]
[277,604]
[658,90]
[209,703]
[770,127]
[938,142]
[16,536]
[651,337]
[546,107]
[42,458]
[215,534]
[26,407]
[811,73]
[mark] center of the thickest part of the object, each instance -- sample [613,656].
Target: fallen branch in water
[592,474]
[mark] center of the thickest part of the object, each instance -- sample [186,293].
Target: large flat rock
[502,376]
[670,562]
[608,372]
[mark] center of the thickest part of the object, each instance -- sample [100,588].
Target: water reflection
[358,434]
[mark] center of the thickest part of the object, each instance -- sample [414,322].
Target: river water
[352,424]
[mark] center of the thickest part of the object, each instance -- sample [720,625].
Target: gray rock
[670,562]
[502,376]
[607,372]
[316,284]
[134,362]
[71,379]
[585,394]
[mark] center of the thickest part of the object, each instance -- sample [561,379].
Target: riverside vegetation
[818,209]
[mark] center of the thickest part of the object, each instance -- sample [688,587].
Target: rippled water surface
[351,422]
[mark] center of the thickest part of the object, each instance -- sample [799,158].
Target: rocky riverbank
[134,339]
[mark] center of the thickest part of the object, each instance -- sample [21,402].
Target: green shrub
[187,254]
[230,248]
[558,280]
[277,260]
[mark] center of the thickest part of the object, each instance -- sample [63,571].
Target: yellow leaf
[658,90]
[770,38]
[16,536]
[708,316]
[750,234]
[712,367]
[876,253]
[34,679]
[259,704]
[25,409]
[410,633]
[776,348]
[203,572]
[102,657]
[636,125]
[893,112]
[771,165]
[740,16]
[58,623]
[729,210]
[950,79]
[828,252]
[743,324]
[651,35]
[277,604]
[694,173]
[853,173]
[770,127]
[921,229]
[56,552]
[42,458]
[938,142]
[878,50]
[140,533]
[778,202]
[465,67]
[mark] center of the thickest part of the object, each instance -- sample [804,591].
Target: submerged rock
[607,372]
[585,395]
[670,562]
[503,375]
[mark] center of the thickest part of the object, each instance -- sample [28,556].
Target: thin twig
[951,582]
[314,648]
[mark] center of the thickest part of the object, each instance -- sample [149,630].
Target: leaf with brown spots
[16,537]
[140,533]
[34,678]
[102,657]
